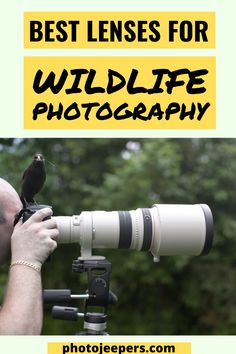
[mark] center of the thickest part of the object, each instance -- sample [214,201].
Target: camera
[164,230]
[26,212]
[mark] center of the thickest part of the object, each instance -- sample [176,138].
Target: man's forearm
[21,312]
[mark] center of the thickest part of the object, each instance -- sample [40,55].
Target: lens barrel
[125,237]
[164,229]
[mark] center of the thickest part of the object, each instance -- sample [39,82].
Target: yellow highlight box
[119,348]
[119,93]
[117,30]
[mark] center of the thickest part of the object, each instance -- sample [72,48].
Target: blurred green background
[180,295]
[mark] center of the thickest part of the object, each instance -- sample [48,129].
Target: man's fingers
[50,224]
[54,233]
[53,246]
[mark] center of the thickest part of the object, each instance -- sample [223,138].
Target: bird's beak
[38,157]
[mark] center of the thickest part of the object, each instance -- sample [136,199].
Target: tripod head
[96,299]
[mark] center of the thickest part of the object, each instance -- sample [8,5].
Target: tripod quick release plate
[98,272]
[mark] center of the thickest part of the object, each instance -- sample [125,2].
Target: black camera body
[28,211]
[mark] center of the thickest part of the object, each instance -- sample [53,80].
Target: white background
[12,53]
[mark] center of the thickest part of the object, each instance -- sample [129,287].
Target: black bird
[33,180]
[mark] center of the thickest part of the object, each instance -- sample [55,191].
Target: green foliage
[180,295]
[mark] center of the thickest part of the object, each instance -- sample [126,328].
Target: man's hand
[34,240]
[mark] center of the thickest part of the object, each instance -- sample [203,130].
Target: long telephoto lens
[164,229]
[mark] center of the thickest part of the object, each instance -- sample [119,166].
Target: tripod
[96,300]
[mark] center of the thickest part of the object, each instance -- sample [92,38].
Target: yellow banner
[119,30]
[119,348]
[119,93]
